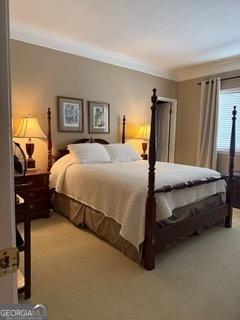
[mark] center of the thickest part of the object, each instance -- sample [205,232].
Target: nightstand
[236,190]
[33,187]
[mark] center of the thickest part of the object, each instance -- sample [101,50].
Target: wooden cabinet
[33,187]
[236,190]
[24,245]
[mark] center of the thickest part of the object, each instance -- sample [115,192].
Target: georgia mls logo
[39,311]
[23,312]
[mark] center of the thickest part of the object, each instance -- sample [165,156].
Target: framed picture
[70,114]
[98,117]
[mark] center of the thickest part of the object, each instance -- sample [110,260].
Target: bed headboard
[63,152]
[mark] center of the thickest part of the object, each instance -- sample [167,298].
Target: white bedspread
[119,190]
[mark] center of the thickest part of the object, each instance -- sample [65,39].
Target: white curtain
[207,143]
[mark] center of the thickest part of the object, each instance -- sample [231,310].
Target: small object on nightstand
[20,163]
[33,187]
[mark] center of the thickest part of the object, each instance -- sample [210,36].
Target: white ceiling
[159,36]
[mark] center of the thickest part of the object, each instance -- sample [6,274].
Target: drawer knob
[32,206]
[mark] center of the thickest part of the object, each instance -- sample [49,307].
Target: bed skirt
[105,228]
[108,229]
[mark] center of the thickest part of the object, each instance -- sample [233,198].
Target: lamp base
[31,163]
[144,148]
[30,148]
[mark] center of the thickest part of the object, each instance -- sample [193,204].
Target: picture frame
[70,114]
[98,117]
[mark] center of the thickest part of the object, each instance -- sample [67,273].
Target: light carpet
[82,277]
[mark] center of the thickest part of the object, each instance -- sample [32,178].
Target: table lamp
[29,128]
[144,134]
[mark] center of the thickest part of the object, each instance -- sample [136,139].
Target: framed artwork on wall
[98,117]
[70,114]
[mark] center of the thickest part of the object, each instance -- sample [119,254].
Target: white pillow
[89,153]
[119,152]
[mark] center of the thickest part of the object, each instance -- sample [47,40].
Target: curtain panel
[207,142]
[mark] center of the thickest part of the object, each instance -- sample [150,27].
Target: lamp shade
[143,132]
[29,128]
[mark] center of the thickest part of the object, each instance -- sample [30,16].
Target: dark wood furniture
[24,245]
[166,234]
[236,190]
[33,187]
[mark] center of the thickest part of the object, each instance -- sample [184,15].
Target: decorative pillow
[89,153]
[119,152]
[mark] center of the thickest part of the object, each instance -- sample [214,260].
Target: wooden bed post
[228,219]
[123,128]
[49,140]
[150,218]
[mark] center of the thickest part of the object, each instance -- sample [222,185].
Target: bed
[139,206]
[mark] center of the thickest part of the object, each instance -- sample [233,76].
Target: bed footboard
[190,225]
[193,223]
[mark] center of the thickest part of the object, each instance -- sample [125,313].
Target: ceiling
[167,36]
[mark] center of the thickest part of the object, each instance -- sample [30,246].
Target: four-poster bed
[193,223]
[158,234]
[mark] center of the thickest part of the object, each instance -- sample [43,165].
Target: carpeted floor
[82,277]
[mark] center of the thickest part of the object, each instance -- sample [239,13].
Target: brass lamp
[144,134]
[29,128]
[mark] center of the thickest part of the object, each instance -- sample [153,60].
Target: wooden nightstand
[33,187]
[236,190]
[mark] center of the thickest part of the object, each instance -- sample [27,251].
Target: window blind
[227,100]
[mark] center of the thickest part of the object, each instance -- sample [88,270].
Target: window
[227,100]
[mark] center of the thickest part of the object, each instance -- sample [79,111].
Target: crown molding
[37,37]
[208,69]
[51,41]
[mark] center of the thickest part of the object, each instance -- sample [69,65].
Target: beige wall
[40,74]
[187,122]
[188,119]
